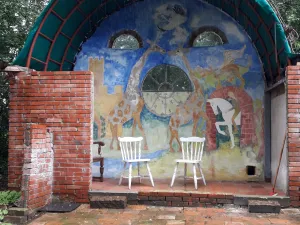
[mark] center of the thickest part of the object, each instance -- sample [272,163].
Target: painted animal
[227,111]
[132,104]
[228,69]
[97,121]
[192,109]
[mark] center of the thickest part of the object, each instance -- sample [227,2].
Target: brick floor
[139,214]
[212,187]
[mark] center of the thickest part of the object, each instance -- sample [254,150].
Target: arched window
[164,88]
[127,39]
[207,37]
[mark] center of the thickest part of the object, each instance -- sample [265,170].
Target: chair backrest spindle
[192,148]
[129,147]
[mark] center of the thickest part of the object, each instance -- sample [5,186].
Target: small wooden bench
[100,159]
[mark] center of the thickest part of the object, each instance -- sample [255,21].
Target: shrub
[3,212]
[8,198]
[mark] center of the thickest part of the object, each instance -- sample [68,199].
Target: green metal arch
[64,25]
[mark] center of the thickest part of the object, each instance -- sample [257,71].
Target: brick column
[293,87]
[63,103]
[37,178]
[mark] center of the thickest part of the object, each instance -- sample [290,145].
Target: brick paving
[140,214]
[212,187]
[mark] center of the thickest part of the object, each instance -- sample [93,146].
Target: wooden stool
[99,159]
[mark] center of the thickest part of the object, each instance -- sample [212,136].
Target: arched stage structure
[60,31]
[99,69]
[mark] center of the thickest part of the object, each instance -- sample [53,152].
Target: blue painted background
[140,17]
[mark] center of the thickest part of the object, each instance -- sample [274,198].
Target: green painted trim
[263,9]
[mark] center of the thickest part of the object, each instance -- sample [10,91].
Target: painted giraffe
[132,104]
[191,110]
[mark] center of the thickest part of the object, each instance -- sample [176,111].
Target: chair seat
[137,160]
[187,161]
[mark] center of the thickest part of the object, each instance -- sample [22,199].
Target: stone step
[18,212]
[258,206]
[242,200]
[110,202]
[18,220]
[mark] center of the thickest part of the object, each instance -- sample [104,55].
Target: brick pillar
[37,178]
[63,102]
[293,87]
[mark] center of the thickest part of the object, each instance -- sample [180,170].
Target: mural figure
[132,104]
[192,109]
[229,70]
[169,16]
[228,112]
[235,106]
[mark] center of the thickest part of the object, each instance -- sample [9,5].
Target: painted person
[169,16]
[235,106]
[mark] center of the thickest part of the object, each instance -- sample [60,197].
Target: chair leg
[174,175]
[195,176]
[185,171]
[139,174]
[200,169]
[150,175]
[129,177]
[120,181]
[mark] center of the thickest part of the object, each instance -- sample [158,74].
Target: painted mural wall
[168,89]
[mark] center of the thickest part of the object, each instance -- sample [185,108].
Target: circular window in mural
[128,39]
[164,88]
[208,36]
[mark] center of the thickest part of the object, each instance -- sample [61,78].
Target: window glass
[207,38]
[126,41]
[164,88]
[167,78]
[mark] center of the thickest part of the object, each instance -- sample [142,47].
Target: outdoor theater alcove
[170,87]
[161,70]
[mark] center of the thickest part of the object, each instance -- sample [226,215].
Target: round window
[128,39]
[164,88]
[207,38]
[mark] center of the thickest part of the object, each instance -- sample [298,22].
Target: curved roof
[64,25]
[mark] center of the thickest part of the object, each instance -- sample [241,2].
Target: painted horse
[228,112]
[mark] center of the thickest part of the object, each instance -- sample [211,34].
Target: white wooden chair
[192,151]
[131,153]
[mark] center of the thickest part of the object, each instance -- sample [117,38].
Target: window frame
[204,29]
[167,65]
[126,32]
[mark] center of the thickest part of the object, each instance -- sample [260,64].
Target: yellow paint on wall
[103,102]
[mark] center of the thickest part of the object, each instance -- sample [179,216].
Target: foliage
[290,13]
[3,212]
[3,127]
[17,17]
[9,197]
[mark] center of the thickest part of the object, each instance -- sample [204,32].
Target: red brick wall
[293,77]
[37,178]
[62,101]
[247,116]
